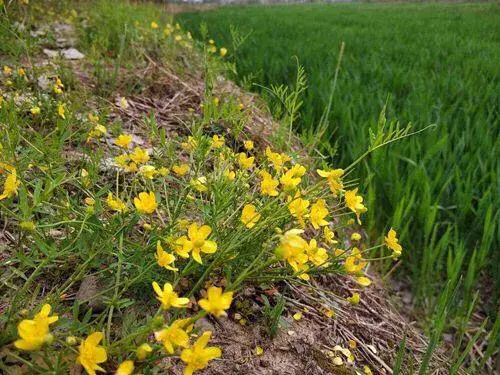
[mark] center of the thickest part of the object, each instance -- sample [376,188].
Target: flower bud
[27,226]
[48,339]
[71,340]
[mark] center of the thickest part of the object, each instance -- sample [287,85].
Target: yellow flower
[122,160]
[355,262]
[89,201]
[217,141]
[125,368]
[10,185]
[183,224]
[198,356]
[363,281]
[244,161]
[216,302]
[139,156]
[329,236]
[91,354]
[248,145]
[154,25]
[163,171]
[292,177]
[168,297]
[278,160]
[292,248]
[180,170]
[355,236]
[354,299]
[223,51]
[317,255]
[229,174]
[164,259]
[174,336]
[116,204]
[334,179]
[61,111]
[190,145]
[145,203]
[329,313]
[59,83]
[258,351]
[178,247]
[298,208]
[199,184]
[123,103]
[355,203]
[318,214]
[391,241]
[268,184]
[93,118]
[100,130]
[123,140]
[249,216]
[34,333]
[132,167]
[196,241]
[147,171]
[35,110]
[367,370]
[7,70]
[143,351]
[97,132]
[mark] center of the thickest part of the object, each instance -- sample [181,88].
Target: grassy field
[431,63]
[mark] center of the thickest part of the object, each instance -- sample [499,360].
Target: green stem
[115,296]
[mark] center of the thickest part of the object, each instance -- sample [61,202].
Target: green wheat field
[431,64]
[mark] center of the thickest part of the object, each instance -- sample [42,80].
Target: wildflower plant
[173,228]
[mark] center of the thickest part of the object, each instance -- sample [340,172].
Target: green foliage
[437,63]
[272,315]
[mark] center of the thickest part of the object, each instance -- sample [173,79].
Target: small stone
[204,324]
[43,82]
[50,52]
[72,54]
[88,293]
[37,33]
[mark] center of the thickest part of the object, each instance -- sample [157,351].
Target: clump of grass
[171,228]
